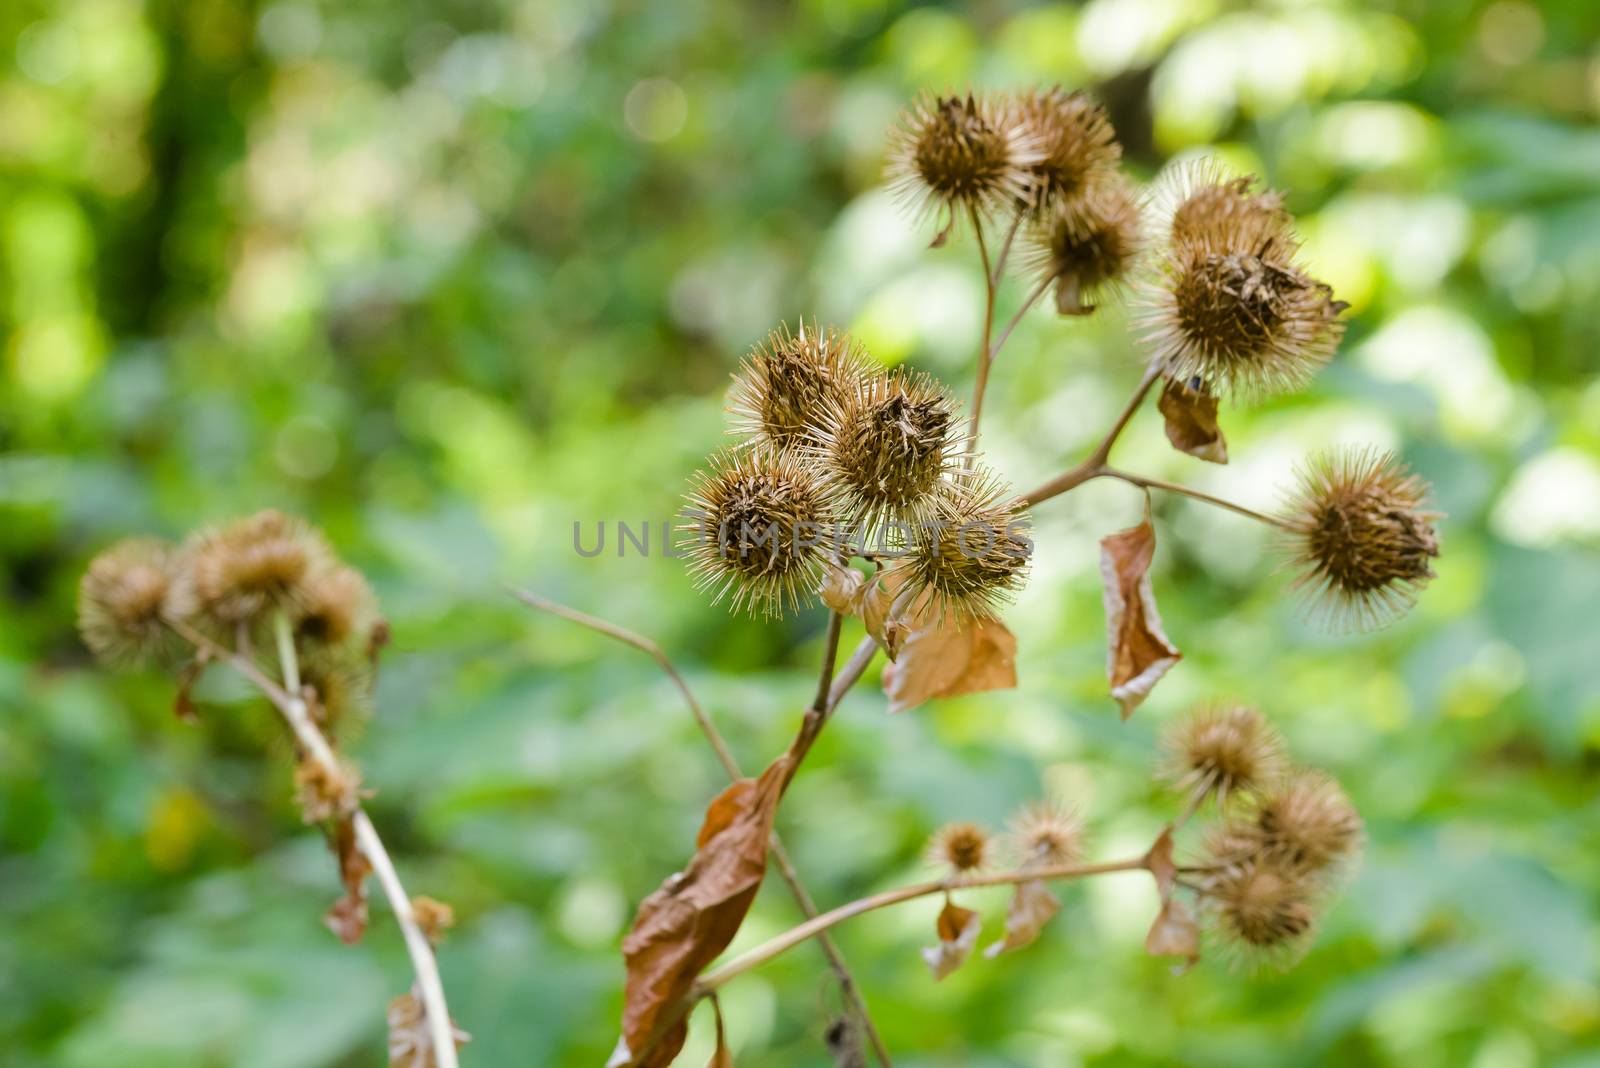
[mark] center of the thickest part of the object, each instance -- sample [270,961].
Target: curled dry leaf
[348,916]
[691,918]
[1191,414]
[409,1044]
[1032,906]
[1175,933]
[1139,652]
[849,592]
[434,917]
[948,657]
[958,933]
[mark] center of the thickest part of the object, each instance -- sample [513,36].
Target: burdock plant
[866,488]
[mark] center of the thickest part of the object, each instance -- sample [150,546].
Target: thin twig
[292,707]
[1174,487]
[1033,298]
[984,355]
[1095,464]
[780,855]
[795,935]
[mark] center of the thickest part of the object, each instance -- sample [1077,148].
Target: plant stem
[1033,298]
[292,707]
[795,935]
[1094,465]
[1174,487]
[1005,250]
[780,855]
[985,356]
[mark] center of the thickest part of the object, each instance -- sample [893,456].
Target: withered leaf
[1162,866]
[348,916]
[409,1043]
[691,918]
[1138,651]
[958,932]
[1175,933]
[947,658]
[722,1057]
[1032,906]
[1069,297]
[849,592]
[1191,415]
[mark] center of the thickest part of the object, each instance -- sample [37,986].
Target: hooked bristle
[759,524]
[972,556]
[1090,251]
[961,847]
[960,155]
[1222,750]
[1077,149]
[1264,912]
[1230,303]
[787,384]
[885,448]
[252,565]
[1307,825]
[1363,537]
[124,600]
[1046,833]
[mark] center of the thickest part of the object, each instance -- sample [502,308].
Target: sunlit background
[447,277]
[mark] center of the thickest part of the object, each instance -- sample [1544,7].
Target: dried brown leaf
[947,658]
[433,917]
[1032,906]
[1191,415]
[958,933]
[1175,933]
[348,916]
[691,918]
[1139,652]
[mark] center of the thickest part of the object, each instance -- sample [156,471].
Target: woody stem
[1194,494]
[1094,465]
[985,356]
[287,700]
[780,855]
[753,958]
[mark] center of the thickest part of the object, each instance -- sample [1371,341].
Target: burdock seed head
[334,606]
[251,566]
[1363,538]
[1222,750]
[787,383]
[958,155]
[961,847]
[1263,912]
[1230,303]
[1307,824]
[1046,833]
[1077,149]
[885,447]
[124,600]
[758,523]
[972,555]
[1088,251]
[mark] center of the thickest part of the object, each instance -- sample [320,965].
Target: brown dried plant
[866,488]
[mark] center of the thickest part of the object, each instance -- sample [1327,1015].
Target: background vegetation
[448,277]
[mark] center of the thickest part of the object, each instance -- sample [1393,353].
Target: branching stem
[780,855]
[287,700]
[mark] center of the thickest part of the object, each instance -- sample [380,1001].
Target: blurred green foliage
[449,277]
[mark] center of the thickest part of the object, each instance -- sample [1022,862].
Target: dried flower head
[325,793]
[1306,824]
[1221,751]
[885,448]
[758,524]
[1230,303]
[1263,911]
[786,384]
[335,604]
[960,155]
[1088,252]
[972,555]
[1198,196]
[961,847]
[340,692]
[1076,148]
[124,600]
[253,565]
[1363,538]
[1046,833]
